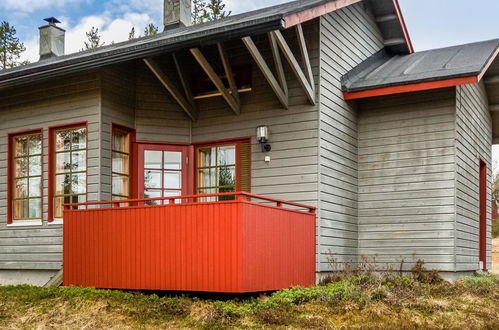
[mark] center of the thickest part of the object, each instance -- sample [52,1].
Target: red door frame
[187,163]
[483,214]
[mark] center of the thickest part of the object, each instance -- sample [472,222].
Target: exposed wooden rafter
[189,109]
[226,94]
[228,73]
[184,81]
[307,83]
[276,54]
[386,18]
[494,107]
[282,95]
[394,42]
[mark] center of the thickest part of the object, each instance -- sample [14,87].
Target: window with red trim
[25,157]
[70,167]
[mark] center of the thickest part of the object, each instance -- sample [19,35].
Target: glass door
[163,171]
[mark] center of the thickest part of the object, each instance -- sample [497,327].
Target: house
[247,154]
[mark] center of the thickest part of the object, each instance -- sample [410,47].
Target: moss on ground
[363,301]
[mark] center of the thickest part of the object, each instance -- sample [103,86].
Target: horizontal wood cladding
[407,179]
[473,143]
[68,100]
[348,37]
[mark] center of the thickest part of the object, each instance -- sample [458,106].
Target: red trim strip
[310,14]
[10,169]
[410,88]
[403,25]
[483,214]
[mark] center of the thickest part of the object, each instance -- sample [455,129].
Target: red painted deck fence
[237,245]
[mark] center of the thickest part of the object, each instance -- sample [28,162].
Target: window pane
[152,194]
[79,199]
[35,211]
[120,163]
[173,160]
[121,141]
[152,179]
[35,165]
[62,140]
[62,162]
[172,180]
[21,188]
[120,185]
[207,157]
[63,184]
[207,178]
[79,161]
[21,146]
[20,211]
[79,183]
[21,167]
[35,185]
[79,138]
[227,176]
[153,159]
[35,145]
[227,155]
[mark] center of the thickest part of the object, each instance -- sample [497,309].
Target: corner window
[70,162]
[26,189]
[120,149]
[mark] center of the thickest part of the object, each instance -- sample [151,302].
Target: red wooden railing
[247,243]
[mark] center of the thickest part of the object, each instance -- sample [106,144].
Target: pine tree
[215,10]
[10,47]
[199,14]
[93,39]
[131,35]
[150,30]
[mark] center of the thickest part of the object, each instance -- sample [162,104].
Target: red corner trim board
[423,86]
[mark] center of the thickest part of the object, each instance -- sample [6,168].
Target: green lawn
[361,301]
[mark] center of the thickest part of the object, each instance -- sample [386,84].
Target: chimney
[51,39]
[177,13]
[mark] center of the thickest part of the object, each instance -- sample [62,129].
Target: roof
[385,74]
[237,26]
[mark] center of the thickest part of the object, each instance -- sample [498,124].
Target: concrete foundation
[31,277]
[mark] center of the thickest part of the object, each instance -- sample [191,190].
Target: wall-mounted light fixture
[262,135]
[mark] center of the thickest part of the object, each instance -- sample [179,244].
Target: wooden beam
[288,54]
[216,80]
[184,82]
[267,73]
[278,64]
[394,42]
[304,55]
[492,80]
[494,107]
[229,73]
[386,18]
[170,87]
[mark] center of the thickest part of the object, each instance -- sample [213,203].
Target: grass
[363,301]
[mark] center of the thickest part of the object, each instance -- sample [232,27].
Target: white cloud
[31,6]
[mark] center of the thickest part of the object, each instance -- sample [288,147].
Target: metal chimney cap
[52,20]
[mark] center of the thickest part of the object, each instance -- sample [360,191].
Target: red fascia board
[403,25]
[310,14]
[422,86]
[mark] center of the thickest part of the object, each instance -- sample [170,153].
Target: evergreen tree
[150,30]
[215,10]
[93,39]
[131,35]
[10,47]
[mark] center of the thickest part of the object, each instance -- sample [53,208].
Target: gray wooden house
[314,104]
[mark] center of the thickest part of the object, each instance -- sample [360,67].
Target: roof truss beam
[188,106]
[386,18]
[306,80]
[208,69]
[494,107]
[280,90]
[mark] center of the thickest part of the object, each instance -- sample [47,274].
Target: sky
[431,23]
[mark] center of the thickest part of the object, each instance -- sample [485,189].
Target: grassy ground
[354,302]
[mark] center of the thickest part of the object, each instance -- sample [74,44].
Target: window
[120,149]
[223,168]
[70,167]
[26,189]
[162,174]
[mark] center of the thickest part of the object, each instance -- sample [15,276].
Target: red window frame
[10,170]
[133,152]
[51,170]
[483,214]
[219,143]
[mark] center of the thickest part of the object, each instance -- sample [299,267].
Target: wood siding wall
[68,100]
[348,37]
[407,179]
[473,142]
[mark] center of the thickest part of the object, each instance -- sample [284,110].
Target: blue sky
[431,23]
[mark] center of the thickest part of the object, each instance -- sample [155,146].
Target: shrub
[422,275]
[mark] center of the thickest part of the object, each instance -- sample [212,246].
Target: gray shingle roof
[385,70]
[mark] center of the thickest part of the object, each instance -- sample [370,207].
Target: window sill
[26,223]
[56,222]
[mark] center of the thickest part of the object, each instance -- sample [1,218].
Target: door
[163,171]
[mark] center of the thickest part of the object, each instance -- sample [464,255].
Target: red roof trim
[310,14]
[404,27]
[410,87]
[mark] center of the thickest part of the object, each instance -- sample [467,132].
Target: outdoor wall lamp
[262,135]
